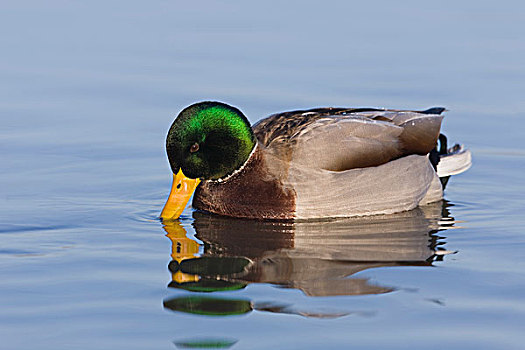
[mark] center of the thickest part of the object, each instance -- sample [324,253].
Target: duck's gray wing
[345,138]
[286,124]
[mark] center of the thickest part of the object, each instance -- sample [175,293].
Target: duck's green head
[207,141]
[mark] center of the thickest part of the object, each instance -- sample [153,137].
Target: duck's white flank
[396,186]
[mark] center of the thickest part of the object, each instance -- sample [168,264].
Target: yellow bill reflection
[182,248]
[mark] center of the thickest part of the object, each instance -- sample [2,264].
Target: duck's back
[340,139]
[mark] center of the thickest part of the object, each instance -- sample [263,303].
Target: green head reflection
[209,306]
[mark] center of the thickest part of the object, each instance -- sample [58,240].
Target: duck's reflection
[314,257]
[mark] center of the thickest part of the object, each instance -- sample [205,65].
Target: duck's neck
[241,168]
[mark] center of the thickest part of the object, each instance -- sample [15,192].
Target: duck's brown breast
[250,193]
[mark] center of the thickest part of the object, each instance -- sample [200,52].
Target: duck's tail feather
[457,160]
[450,161]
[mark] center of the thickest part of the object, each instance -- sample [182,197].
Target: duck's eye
[194,148]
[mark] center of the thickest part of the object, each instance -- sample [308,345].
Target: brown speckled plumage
[387,135]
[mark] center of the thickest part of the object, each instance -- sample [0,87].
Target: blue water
[87,93]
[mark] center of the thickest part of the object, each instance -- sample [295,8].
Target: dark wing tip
[434,110]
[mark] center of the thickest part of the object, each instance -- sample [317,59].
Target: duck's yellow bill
[181,191]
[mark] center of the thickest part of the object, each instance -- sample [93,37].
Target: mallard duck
[304,164]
